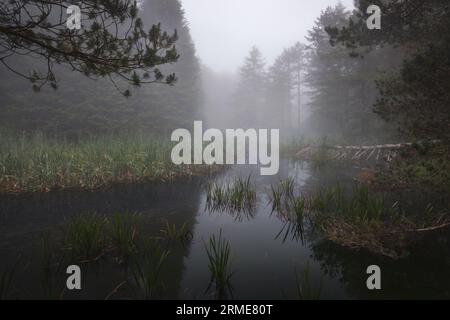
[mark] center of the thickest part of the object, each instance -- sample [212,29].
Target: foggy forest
[354,175]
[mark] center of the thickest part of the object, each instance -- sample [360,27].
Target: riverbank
[423,167]
[39,164]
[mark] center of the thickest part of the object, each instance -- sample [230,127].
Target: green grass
[287,188]
[219,251]
[84,237]
[173,234]
[305,289]
[146,266]
[239,195]
[38,164]
[286,202]
[89,237]
[282,195]
[291,208]
[360,206]
[299,207]
[124,233]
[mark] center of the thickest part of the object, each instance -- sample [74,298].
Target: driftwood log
[385,152]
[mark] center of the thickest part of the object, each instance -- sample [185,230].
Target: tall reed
[39,164]
[146,266]
[305,288]
[124,232]
[84,237]
[218,251]
[239,195]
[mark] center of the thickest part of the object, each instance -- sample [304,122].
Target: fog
[239,64]
[329,150]
[225,30]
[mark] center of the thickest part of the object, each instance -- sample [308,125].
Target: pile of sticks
[385,152]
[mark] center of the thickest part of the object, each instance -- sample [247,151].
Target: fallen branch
[387,152]
[442,226]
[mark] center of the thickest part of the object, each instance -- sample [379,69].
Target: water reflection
[29,218]
[268,253]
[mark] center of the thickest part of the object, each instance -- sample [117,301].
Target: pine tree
[343,88]
[85,106]
[250,95]
[415,96]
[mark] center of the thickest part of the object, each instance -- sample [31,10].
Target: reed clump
[174,233]
[84,237]
[356,218]
[218,250]
[39,164]
[146,267]
[240,195]
[124,234]
[304,284]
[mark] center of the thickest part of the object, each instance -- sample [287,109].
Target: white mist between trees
[208,147]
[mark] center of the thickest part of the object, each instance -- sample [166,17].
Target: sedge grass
[39,164]
[218,251]
[240,195]
[305,288]
[124,232]
[174,234]
[84,237]
[146,266]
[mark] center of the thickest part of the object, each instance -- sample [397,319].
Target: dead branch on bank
[385,152]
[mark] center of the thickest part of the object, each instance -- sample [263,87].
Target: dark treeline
[345,81]
[80,105]
[316,88]
[415,97]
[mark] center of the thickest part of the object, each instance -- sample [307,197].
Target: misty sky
[225,30]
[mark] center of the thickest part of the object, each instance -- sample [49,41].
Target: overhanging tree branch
[112,43]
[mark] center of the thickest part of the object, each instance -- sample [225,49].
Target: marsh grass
[360,206]
[39,164]
[298,205]
[84,237]
[53,267]
[291,208]
[363,220]
[295,229]
[240,195]
[124,233]
[6,280]
[356,218]
[146,266]
[287,202]
[275,198]
[305,288]
[218,251]
[282,195]
[175,234]
[288,188]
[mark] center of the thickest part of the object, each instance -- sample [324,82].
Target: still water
[265,256]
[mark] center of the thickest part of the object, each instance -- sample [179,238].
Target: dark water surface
[265,257]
